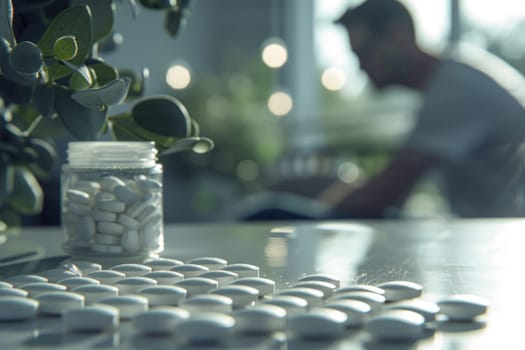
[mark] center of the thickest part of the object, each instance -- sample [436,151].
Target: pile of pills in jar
[113,215]
[214,305]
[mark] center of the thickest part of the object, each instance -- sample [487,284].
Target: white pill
[85,266]
[4,284]
[427,309]
[110,228]
[376,301]
[35,289]
[137,208]
[89,187]
[208,303]
[160,320]
[322,278]
[150,232]
[85,227]
[69,219]
[107,249]
[128,305]
[213,263]
[292,305]
[128,222]
[147,213]
[73,282]
[13,292]
[129,285]
[165,277]
[105,239]
[243,270]
[107,216]
[54,275]
[13,308]
[356,311]
[131,270]
[163,295]
[241,296]
[96,292]
[57,303]
[77,196]
[131,241]
[396,325]
[149,185]
[197,285]
[260,319]
[463,306]
[318,323]
[92,318]
[401,290]
[108,183]
[78,209]
[205,328]
[360,288]
[163,264]
[111,205]
[190,270]
[221,276]
[126,194]
[103,196]
[263,285]
[326,288]
[312,296]
[107,276]
[20,280]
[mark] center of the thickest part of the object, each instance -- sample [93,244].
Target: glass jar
[111,196]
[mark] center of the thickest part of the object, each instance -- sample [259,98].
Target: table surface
[483,257]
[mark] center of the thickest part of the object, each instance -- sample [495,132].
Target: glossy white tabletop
[482,257]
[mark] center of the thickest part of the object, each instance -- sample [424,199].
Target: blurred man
[469,129]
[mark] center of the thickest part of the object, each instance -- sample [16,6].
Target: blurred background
[275,85]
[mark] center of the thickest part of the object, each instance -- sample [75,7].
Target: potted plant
[53,81]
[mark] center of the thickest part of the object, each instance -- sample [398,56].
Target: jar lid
[111,154]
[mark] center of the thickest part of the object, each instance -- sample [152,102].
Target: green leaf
[46,159]
[5,49]
[7,181]
[8,71]
[138,84]
[82,122]
[82,72]
[74,21]
[26,58]
[78,82]
[58,71]
[104,73]
[163,115]
[6,21]
[173,22]
[123,128]
[159,4]
[102,16]
[27,196]
[43,99]
[195,129]
[66,48]
[195,144]
[109,94]
[24,118]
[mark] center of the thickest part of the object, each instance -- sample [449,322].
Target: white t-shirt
[475,127]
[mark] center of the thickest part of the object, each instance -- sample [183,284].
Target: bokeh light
[178,77]
[333,79]
[274,53]
[280,103]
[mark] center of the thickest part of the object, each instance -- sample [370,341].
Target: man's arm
[387,189]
